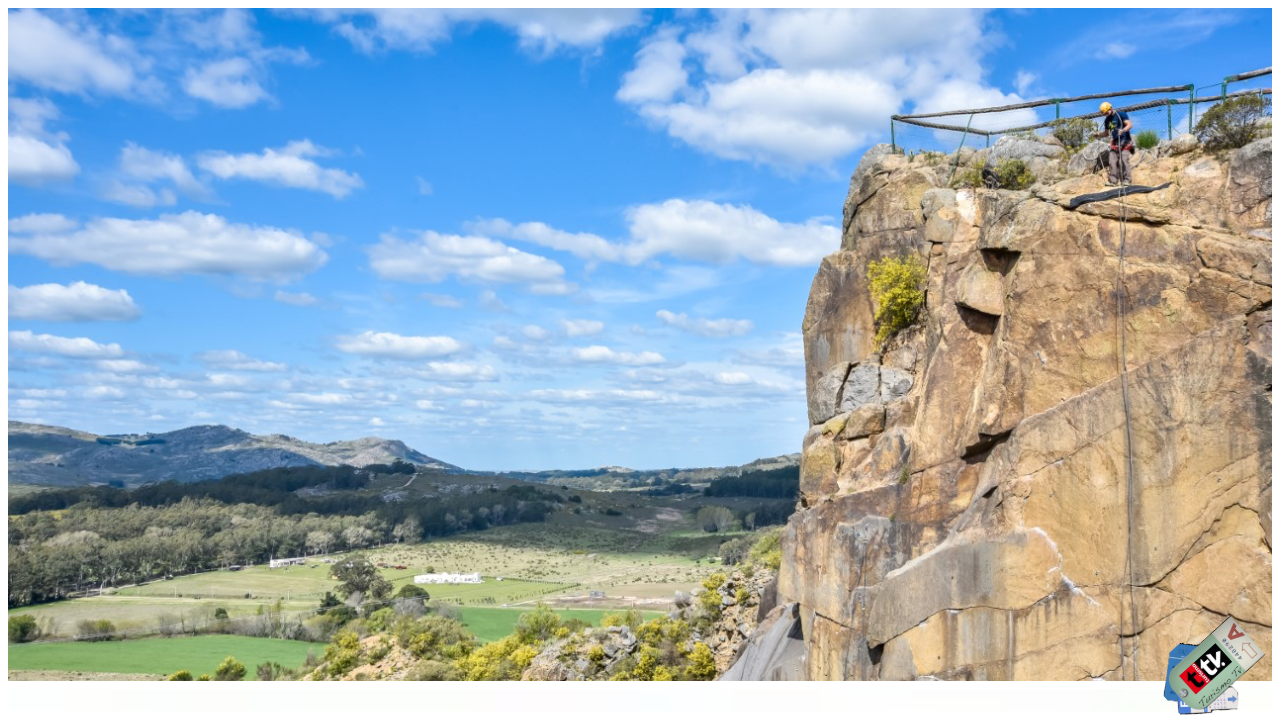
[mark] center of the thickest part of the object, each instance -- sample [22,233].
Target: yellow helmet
[1104,107]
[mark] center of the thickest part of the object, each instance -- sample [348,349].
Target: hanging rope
[1122,306]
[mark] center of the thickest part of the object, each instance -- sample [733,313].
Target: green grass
[491,624]
[160,656]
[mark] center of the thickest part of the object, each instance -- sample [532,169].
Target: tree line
[777,483]
[98,542]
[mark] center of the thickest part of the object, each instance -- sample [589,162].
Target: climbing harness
[1122,306]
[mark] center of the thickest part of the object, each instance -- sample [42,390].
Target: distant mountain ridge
[612,477]
[48,455]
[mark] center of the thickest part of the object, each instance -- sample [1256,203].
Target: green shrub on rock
[1232,123]
[896,289]
[1147,139]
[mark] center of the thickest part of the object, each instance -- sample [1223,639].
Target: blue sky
[521,239]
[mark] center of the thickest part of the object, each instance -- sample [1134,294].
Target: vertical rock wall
[967,510]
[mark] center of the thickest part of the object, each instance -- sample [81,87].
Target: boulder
[1088,159]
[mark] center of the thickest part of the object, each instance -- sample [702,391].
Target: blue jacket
[1113,123]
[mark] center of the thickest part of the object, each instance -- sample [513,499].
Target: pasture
[160,656]
[552,562]
[489,624]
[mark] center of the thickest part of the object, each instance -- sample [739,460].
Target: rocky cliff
[976,501]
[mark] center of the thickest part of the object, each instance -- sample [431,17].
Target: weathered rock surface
[996,514]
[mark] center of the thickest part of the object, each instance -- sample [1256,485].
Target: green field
[491,624]
[160,656]
[552,562]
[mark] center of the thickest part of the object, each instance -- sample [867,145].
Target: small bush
[1074,132]
[95,630]
[768,549]
[220,614]
[272,671]
[1232,123]
[1013,174]
[203,677]
[895,288]
[181,675]
[413,591]
[23,628]
[1147,139]
[702,664]
[230,669]
[741,596]
[969,176]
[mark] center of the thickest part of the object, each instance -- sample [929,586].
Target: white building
[286,562]
[446,578]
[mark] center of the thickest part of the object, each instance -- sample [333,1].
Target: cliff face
[967,505]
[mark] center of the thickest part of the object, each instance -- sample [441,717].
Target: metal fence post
[893,138]
[1168,106]
[1057,109]
[1191,108]
[964,135]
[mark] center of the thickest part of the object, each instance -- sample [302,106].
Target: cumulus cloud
[419,30]
[77,302]
[67,58]
[583,245]
[715,232]
[433,257]
[707,328]
[797,88]
[582,328]
[398,347]
[79,347]
[125,367]
[456,372]
[191,242]
[236,360]
[690,229]
[229,83]
[36,155]
[140,167]
[297,299]
[605,355]
[439,300]
[289,166]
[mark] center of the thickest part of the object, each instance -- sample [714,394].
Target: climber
[1118,125]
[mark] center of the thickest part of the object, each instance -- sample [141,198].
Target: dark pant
[1118,166]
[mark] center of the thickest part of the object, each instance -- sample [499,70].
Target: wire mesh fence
[1168,111]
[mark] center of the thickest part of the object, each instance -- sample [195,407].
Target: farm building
[286,562]
[446,578]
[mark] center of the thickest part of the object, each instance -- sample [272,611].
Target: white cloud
[66,58]
[733,378]
[1023,81]
[539,30]
[424,187]
[79,347]
[228,83]
[607,396]
[693,229]
[433,257]
[714,232]
[298,299]
[707,328]
[584,245]
[603,354]
[797,88]
[77,302]
[104,392]
[399,347]
[41,223]
[289,166]
[236,360]
[151,166]
[191,242]
[444,301]
[458,372]
[582,328]
[36,155]
[535,332]
[138,195]
[126,367]
[490,301]
[1115,51]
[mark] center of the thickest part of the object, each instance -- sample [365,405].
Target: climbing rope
[1122,305]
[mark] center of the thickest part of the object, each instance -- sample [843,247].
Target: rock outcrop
[976,501]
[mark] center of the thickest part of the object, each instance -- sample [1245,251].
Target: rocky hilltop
[976,502]
[46,455]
